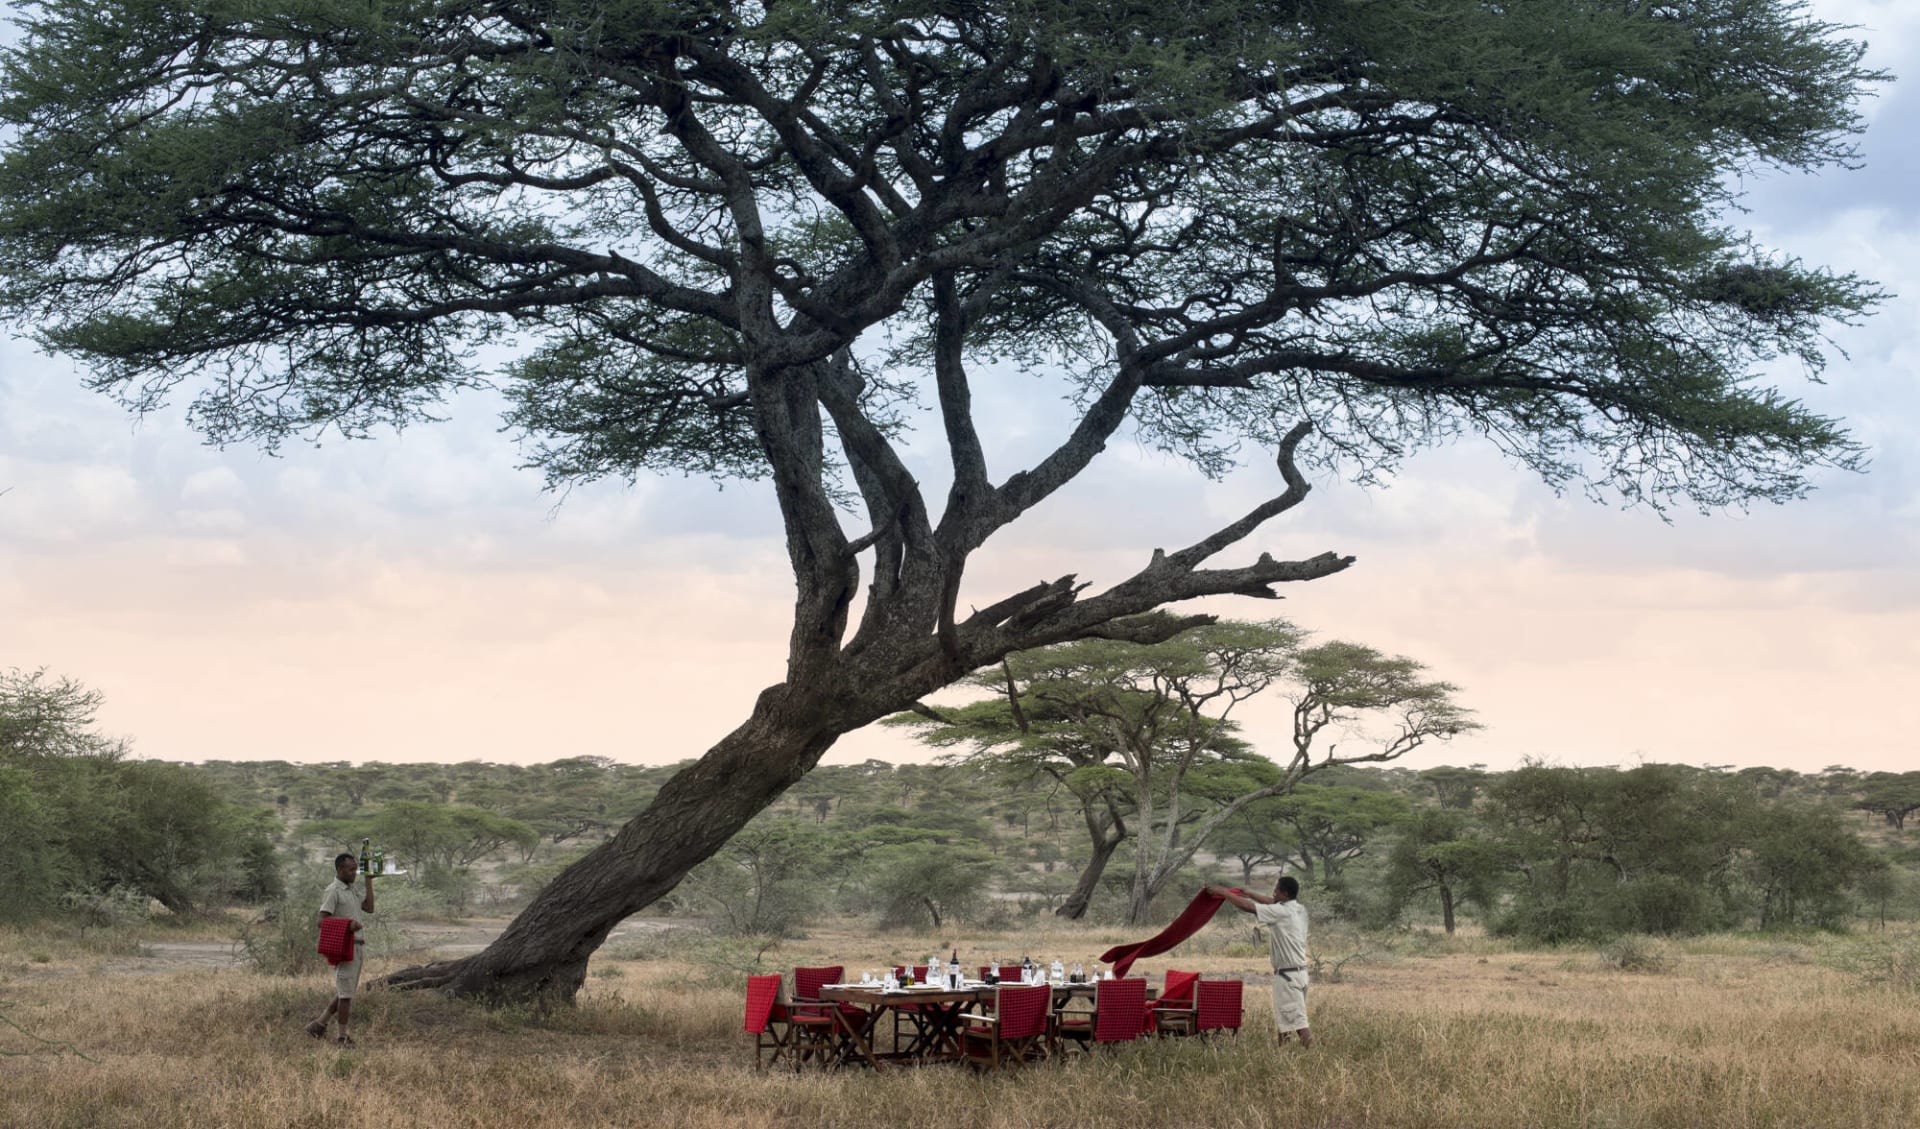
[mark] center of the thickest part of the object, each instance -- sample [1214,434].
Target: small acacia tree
[1155,721]
[733,238]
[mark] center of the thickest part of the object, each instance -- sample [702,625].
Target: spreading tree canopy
[739,239]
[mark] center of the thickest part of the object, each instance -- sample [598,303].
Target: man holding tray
[340,901]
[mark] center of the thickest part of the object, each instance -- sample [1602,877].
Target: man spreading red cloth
[1198,912]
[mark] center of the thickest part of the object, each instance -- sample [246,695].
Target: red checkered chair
[1217,1006]
[814,1035]
[1119,1015]
[1173,1012]
[1016,1032]
[768,1021]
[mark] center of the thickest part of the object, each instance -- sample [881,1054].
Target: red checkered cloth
[1178,993]
[1198,912]
[336,939]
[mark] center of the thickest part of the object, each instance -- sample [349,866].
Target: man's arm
[366,903]
[1239,901]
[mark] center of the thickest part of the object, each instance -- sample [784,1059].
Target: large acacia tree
[737,238]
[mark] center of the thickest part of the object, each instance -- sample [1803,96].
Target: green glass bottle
[379,860]
[366,858]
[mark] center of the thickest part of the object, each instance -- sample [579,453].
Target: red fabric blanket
[336,939]
[1198,912]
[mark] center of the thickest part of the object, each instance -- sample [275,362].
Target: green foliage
[1804,864]
[1439,852]
[766,881]
[927,885]
[284,939]
[1892,796]
[1890,961]
[1636,953]
[79,816]
[1412,160]
[444,835]
[1667,849]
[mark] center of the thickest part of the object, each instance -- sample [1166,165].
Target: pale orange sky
[420,599]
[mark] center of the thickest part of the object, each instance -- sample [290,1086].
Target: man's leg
[318,1028]
[346,983]
[1290,1009]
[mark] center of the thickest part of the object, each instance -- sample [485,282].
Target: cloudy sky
[420,598]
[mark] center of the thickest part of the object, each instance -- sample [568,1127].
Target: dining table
[938,1011]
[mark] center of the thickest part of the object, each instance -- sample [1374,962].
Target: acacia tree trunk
[1106,840]
[1446,907]
[543,954]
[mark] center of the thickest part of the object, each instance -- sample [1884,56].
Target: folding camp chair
[1016,1032]
[1119,1015]
[1217,1006]
[1172,1013]
[768,1021]
[815,1035]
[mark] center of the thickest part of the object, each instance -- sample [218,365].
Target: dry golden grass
[1465,1032]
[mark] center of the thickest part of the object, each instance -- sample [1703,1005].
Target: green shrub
[284,940]
[1635,953]
[1891,962]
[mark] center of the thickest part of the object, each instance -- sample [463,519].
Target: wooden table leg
[857,1038]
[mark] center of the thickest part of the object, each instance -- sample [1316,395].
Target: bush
[1661,903]
[105,909]
[1891,962]
[1634,953]
[284,940]
[1549,922]
[407,900]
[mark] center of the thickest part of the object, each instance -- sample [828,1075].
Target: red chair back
[807,982]
[763,997]
[1178,989]
[1218,1004]
[1022,1009]
[1121,1007]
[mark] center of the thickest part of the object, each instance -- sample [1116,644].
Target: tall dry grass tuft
[1730,1035]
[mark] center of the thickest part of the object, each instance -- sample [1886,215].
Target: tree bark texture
[1104,845]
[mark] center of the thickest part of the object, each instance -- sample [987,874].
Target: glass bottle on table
[1059,972]
[953,970]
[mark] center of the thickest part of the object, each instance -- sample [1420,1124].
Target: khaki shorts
[346,979]
[1290,1001]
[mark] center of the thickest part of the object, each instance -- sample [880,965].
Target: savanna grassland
[1412,1030]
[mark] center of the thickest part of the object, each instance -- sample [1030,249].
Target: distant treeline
[1541,852]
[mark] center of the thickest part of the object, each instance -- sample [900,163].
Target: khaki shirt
[1285,924]
[342,900]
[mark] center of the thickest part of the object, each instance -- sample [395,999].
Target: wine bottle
[366,857]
